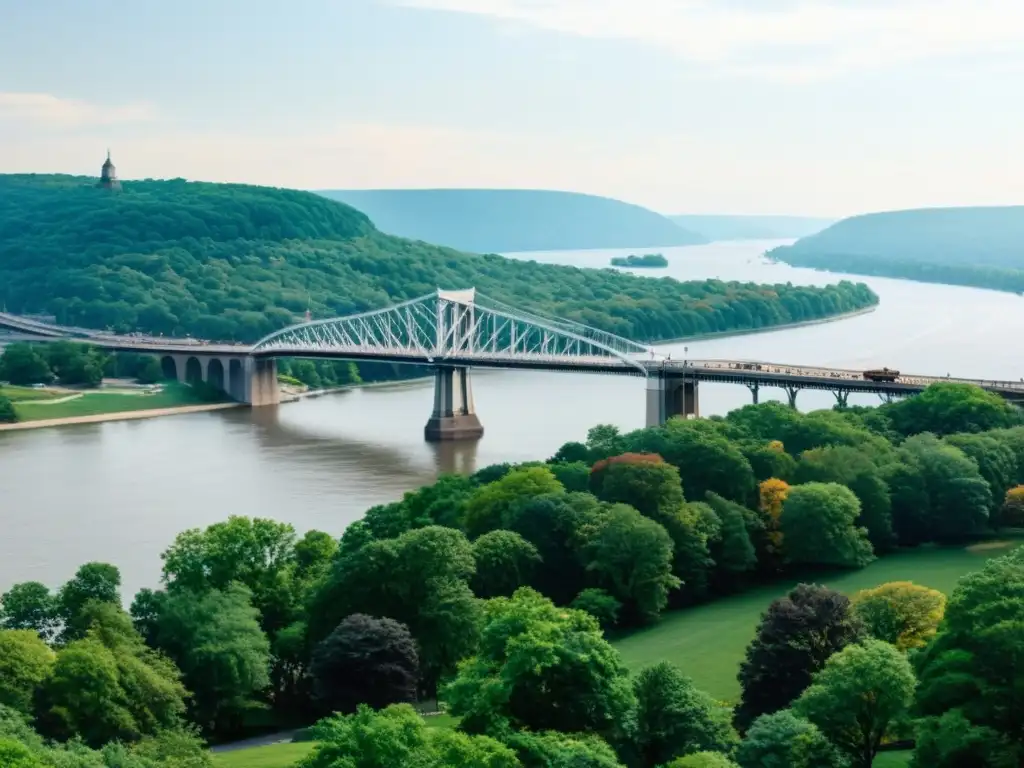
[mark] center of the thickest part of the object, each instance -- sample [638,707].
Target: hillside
[510,220]
[234,262]
[751,227]
[981,247]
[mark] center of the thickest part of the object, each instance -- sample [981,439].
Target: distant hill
[981,247]
[234,262]
[510,220]
[751,227]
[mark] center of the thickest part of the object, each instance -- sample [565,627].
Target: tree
[7,413]
[853,468]
[574,476]
[996,462]
[795,638]
[674,718]
[21,365]
[861,690]
[93,582]
[772,493]
[947,408]
[973,664]
[732,549]
[1012,512]
[911,505]
[952,741]
[14,754]
[396,737]
[505,561]
[365,661]
[540,667]
[488,507]
[600,605]
[25,663]
[769,460]
[643,481]
[785,740]
[632,557]
[817,525]
[900,612]
[703,760]
[29,605]
[551,749]
[216,640]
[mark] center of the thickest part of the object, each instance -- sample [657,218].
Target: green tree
[818,526]
[216,640]
[20,364]
[859,693]
[600,605]
[947,408]
[973,665]
[541,667]
[14,754]
[900,612]
[795,638]
[488,508]
[632,557]
[92,583]
[573,476]
[25,663]
[643,481]
[996,462]
[7,413]
[675,719]
[911,504]
[732,549]
[785,740]
[29,605]
[551,749]
[365,661]
[951,740]
[397,737]
[505,561]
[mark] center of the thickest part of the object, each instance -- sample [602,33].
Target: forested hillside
[233,262]
[981,247]
[509,220]
[725,227]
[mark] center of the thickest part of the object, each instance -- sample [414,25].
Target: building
[108,176]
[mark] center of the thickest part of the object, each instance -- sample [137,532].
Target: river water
[119,492]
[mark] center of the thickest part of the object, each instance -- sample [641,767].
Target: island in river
[648,260]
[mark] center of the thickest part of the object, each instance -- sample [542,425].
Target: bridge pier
[791,393]
[668,397]
[755,389]
[261,383]
[454,416]
[842,397]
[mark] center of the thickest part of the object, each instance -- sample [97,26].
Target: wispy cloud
[52,111]
[760,37]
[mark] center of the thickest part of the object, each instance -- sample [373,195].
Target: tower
[108,176]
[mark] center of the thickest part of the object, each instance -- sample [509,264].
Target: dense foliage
[977,247]
[233,262]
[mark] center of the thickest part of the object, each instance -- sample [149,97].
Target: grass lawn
[27,394]
[96,402]
[892,759]
[708,642]
[273,756]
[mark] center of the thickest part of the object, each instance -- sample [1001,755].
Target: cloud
[52,111]
[762,37]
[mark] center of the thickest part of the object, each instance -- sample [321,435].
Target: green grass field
[27,394]
[273,756]
[708,642]
[892,759]
[97,402]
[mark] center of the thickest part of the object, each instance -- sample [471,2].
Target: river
[119,492]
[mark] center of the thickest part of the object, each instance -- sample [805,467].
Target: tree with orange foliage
[772,493]
[1013,508]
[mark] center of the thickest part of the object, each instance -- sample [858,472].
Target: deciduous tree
[785,740]
[93,582]
[818,524]
[30,605]
[488,507]
[25,663]
[901,613]
[505,561]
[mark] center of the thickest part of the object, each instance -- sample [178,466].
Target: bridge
[453,332]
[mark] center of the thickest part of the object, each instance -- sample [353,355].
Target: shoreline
[116,416]
[296,397]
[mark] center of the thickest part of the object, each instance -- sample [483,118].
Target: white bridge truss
[459,327]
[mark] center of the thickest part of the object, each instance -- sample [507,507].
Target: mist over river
[119,492]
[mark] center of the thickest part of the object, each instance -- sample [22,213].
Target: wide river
[119,492]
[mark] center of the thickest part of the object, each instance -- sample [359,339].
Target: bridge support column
[842,397]
[791,393]
[755,390]
[454,416]
[261,382]
[668,397]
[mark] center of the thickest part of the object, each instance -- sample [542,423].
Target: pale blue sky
[828,107]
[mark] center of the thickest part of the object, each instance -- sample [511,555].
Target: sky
[806,107]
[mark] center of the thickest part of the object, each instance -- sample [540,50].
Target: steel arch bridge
[460,328]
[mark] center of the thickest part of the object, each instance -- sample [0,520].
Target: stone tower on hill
[108,176]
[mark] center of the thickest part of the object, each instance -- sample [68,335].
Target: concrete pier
[454,416]
[671,396]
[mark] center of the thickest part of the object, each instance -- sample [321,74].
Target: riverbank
[770,328]
[120,416]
